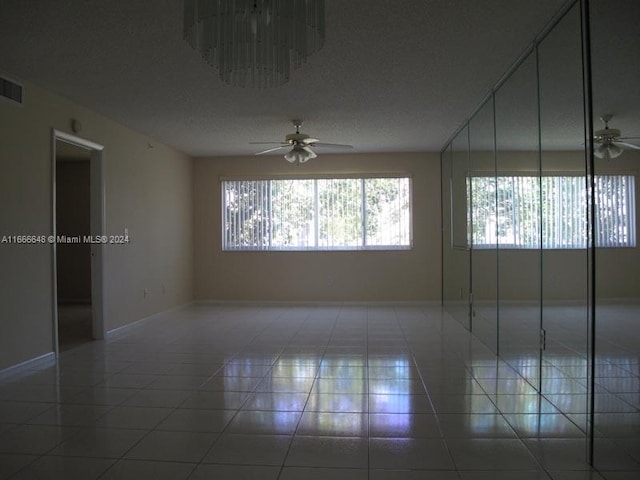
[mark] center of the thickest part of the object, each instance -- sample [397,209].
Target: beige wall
[148,191]
[412,275]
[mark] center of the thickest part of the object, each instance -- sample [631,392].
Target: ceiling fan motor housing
[607,134]
[295,138]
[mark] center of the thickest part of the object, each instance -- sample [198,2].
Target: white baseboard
[320,303]
[28,364]
[115,332]
[617,301]
[578,302]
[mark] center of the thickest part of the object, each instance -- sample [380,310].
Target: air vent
[10,90]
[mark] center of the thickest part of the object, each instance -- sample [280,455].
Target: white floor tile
[506,475]
[327,392]
[64,468]
[329,452]
[249,449]
[413,475]
[192,420]
[264,422]
[475,426]
[333,424]
[20,412]
[148,470]
[12,463]
[71,415]
[404,425]
[99,442]
[409,453]
[235,472]
[316,473]
[188,447]
[215,400]
[133,417]
[34,439]
[491,454]
[157,398]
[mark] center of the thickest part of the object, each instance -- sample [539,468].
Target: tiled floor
[273,392]
[74,325]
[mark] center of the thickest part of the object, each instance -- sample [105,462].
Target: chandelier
[255,43]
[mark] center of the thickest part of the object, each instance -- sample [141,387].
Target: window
[521,211]
[316,214]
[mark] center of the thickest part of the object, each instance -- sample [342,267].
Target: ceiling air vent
[10,90]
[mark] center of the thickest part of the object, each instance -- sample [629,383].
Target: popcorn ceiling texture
[396,75]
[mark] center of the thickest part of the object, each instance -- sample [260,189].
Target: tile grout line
[316,376]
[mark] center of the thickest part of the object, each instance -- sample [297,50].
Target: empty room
[319,239]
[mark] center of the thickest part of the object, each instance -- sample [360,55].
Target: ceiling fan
[608,143]
[300,145]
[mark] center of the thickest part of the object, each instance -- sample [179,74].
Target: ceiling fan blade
[271,149]
[332,145]
[628,145]
[627,138]
[265,143]
[308,141]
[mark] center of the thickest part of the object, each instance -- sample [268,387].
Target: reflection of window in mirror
[550,210]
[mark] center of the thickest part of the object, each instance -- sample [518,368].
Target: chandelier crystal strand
[255,43]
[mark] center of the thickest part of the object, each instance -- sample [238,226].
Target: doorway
[78,219]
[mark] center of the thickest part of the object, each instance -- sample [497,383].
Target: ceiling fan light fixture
[609,142]
[291,156]
[255,43]
[607,151]
[299,155]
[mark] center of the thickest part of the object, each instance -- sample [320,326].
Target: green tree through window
[317,214]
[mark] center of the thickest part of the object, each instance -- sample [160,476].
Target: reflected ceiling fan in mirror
[608,142]
[300,145]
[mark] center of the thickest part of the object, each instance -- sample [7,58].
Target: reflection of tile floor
[314,393]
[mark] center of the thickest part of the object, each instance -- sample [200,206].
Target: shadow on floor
[74,325]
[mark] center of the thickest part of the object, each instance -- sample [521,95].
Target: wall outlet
[145,292]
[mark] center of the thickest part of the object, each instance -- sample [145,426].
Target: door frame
[97,225]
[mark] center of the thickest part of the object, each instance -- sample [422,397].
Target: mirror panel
[518,169]
[458,261]
[615,48]
[564,214]
[558,305]
[448,283]
[484,255]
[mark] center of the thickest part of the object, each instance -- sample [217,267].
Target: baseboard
[556,302]
[115,332]
[617,301]
[321,303]
[27,364]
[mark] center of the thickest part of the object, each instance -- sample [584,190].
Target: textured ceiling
[394,75]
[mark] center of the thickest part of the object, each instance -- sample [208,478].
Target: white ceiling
[394,75]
